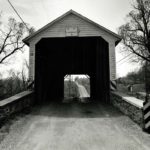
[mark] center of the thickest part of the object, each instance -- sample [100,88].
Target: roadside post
[146,104]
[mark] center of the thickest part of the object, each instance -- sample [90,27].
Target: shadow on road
[77,110]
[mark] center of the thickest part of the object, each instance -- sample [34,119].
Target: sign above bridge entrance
[72,31]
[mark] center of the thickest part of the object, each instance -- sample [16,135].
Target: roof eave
[117,42]
[26,41]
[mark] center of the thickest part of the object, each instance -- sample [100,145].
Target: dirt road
[82,91]
[75,127]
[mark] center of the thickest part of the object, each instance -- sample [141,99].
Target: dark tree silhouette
[11,36]
[136,32]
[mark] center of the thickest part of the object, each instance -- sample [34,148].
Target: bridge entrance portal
[56,57]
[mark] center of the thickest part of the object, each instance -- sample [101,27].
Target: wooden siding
[85,29]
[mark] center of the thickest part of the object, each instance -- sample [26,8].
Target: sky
[109,13]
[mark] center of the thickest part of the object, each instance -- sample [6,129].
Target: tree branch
[6,38]
[18,48]
[138,54]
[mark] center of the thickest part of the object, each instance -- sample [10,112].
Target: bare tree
[24,72]
[11,36]
[136,32]
[26,64]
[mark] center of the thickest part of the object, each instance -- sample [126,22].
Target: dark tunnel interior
[56,57]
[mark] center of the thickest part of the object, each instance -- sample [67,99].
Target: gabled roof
[64,15]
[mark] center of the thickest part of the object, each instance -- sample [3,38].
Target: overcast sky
[108,13]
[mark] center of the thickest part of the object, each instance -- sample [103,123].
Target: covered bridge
[72,44]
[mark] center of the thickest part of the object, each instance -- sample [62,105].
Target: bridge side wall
[128,108]
[16,103]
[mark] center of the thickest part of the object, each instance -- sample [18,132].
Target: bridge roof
[27,39]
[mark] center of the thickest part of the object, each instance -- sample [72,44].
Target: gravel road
[75,126]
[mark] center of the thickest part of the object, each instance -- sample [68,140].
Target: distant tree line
[134,77]
[70,89]
[15,83]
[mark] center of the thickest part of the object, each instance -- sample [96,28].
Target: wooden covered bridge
[72,44]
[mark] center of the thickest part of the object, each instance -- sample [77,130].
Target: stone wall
[16,103]
[133,111]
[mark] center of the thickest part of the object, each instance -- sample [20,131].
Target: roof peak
[71,11]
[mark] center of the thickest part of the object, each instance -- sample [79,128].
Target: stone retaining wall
[16,103]
[133,111]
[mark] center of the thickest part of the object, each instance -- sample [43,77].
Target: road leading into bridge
[82,91]
[75,126]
